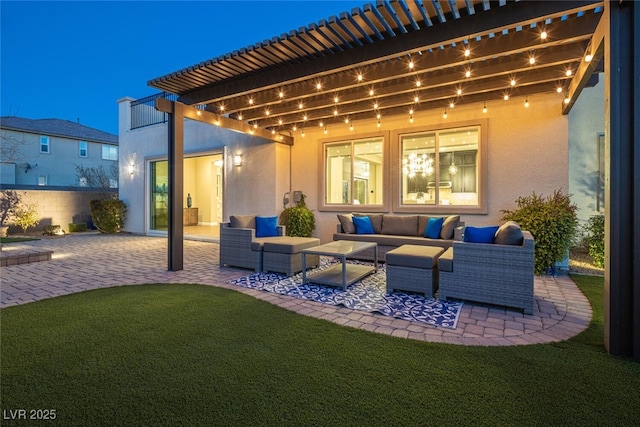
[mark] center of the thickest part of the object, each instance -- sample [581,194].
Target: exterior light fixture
[237,159]
[132,169]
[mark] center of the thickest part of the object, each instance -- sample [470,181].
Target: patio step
[23,256]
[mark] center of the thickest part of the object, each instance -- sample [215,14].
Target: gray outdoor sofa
[392,231]
[494,273]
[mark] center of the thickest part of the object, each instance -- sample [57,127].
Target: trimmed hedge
[77,227]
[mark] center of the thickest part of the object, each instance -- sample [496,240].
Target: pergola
[397,57]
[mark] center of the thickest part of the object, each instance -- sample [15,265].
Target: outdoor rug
[368,294]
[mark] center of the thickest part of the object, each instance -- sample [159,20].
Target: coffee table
[342,274]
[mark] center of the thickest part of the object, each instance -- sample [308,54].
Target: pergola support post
[622,179]
[176,186]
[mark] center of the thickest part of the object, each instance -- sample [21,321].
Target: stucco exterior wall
[527,151]
[256,187]
[586,122]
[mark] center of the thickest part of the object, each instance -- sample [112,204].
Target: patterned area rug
[368,294]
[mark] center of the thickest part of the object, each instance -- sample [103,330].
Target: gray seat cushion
[414,256]
[445,262]
[290,245]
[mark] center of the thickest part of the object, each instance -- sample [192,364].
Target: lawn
[164,354]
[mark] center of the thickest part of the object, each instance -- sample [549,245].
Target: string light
[304,117]
[451,104]
[568,73]
[351,127]
[281,94]
[444,116]
[267,112]
[378,121]
[513,82]
[250,101]
[559,89]
[325,130]
[370,92]
[567,100]
[416,99]
[320,124]
[532,60]
[506,97]
[484,108]
[295,128]
[467,52]
[360,77]
[280,121]
[411,64]
[459,92]
[526,102]
[300,105]
[240,116]
[336,99]
[335,112]
[302,133]
[319,86]
[543,35]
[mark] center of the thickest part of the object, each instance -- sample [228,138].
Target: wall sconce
[237,160]
[131,168]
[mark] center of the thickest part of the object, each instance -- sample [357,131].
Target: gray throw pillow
[243,221]
[448,226]
[346,222]
[509,233]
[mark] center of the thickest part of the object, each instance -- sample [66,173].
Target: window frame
[80,148]
[396,170]
[43,180]
[326,207]
[47,143]
[109,147]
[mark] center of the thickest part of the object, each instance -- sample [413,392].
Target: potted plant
[299,220]
[9,201]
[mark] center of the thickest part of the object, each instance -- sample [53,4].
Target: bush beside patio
[199,355]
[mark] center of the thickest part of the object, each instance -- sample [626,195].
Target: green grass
[197,355]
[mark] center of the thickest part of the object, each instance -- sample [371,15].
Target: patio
[89,261]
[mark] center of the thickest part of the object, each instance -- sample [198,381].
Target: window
[440,168]
[109,152]
[354,172]
[82,181]
[82,149]
[113,183]
[44,144]
[42,180]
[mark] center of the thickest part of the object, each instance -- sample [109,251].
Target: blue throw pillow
[480,234]
[432,230]
[266,226]
[363,225]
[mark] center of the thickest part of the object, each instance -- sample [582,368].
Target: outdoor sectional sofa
[391,231]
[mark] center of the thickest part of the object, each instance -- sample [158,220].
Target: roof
[413,54]
[57,127]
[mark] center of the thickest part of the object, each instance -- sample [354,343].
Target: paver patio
[87,261]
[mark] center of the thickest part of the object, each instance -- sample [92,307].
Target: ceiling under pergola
[392,57]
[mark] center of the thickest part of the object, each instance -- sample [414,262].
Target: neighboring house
[45,152]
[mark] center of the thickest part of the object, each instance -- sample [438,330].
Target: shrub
[552,222]
[299,220]
[9,201]
[26,216]
[77,227]
[108,215]
[594,239]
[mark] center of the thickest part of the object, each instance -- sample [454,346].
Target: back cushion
[509,233]
[400,225]
[242,221]
[448,227]
[423,220]
[346,222]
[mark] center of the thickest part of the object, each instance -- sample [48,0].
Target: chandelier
[417,164]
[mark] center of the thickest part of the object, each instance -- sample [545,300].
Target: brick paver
[90,261]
